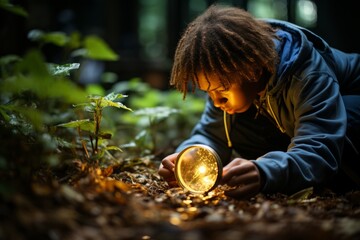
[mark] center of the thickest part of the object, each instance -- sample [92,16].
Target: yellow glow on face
[198,169]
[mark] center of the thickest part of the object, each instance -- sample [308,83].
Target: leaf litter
[133,202]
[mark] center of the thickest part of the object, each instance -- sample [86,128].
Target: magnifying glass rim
[218,161]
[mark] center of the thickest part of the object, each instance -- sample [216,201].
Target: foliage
[36,95]
[92,47]
[146,139]
[95,106]
[31,96]
[18,10]
[40,125]
[162,118]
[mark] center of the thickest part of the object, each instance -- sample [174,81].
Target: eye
[221,91]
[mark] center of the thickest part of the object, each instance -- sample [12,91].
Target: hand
[244,176]
[166,169]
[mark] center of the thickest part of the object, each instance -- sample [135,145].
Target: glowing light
[206,179]
[198,169]
[202,169]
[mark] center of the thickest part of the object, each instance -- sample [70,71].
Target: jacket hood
[294,46]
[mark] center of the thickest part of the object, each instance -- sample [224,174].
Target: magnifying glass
[198,168]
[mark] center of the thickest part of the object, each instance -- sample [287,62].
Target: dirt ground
[132,202]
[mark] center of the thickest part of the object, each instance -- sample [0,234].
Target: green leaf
[5,60]
[33,65]
[57,38]
[151,98]
[4,4]
[113,148]
[84,124]
[33,115]
[64,70]
[66,90]
[106,103]
[109,77]
[104,135]
[74,40]
[108,100]
[87,107]
[4,114]
[97,49]
[114,96]
[95,89]
[33,75]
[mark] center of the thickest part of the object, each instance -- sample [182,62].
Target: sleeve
[210,131]
[313,156]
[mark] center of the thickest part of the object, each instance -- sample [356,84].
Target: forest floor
[132,202]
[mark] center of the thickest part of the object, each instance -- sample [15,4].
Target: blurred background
[144,33]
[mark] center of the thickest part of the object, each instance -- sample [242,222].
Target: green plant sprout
[29,86]
[36,95]
[95,106]
[155,116]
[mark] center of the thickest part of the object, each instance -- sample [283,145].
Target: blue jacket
[304,99]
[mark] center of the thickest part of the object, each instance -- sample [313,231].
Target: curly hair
[227,42]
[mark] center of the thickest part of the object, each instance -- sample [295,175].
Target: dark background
[119,24]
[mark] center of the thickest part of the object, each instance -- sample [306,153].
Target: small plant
[92,127]
[33,97]
[146,141]
[36,95]
[161,119]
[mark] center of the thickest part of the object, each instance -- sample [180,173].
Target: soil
[133,202]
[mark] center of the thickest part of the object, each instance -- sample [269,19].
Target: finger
[244,192]
[166,174]
[243,167]
[248,178]
[236,171]
[234,162]
[168,162]
[173,184]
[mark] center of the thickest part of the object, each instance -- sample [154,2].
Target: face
[237,99]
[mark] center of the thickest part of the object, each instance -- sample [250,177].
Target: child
[279,96]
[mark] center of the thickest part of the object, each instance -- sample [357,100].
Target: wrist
[262,176]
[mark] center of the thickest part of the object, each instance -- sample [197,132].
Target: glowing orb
[198,168]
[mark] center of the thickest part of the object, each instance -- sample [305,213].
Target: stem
[92,144]
[83,143]
[97,120]
[96,131]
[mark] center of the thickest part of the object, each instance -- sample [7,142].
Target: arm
[313,156]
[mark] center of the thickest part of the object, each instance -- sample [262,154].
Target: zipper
[227,131]
[272,114]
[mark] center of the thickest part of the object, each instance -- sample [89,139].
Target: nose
[218,99]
